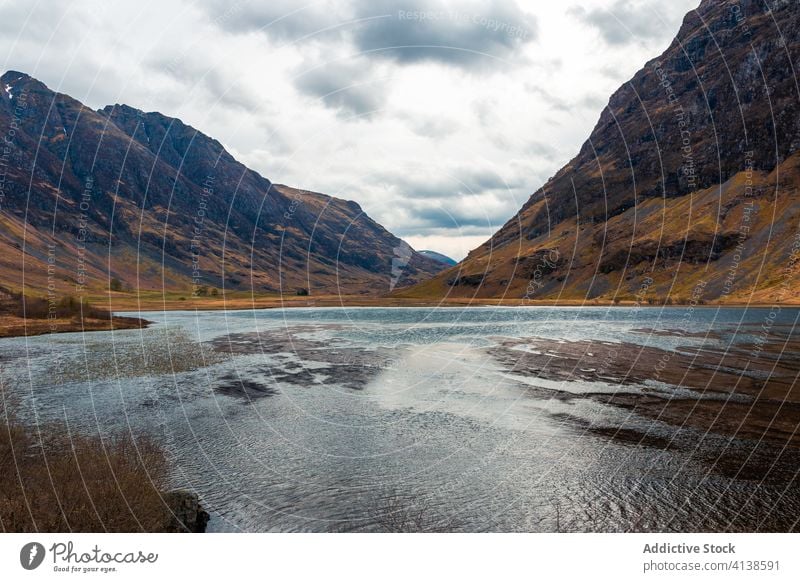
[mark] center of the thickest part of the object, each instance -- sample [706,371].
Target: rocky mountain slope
[687,187]
[131,200]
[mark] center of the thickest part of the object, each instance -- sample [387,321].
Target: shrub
[64,308]
[55,481]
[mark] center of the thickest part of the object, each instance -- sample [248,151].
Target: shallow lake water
[374,419]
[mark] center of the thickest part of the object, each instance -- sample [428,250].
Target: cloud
[485,111]
[467,35]
[221,85]
[566,105]
[454,182]
[457,201]
[351,87]
[454,137]
[542,150]
[554,102]
[430,126]
[629,21]
[36,21]
[459,216]
[283,20]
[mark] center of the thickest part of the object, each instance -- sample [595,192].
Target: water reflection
[479,419]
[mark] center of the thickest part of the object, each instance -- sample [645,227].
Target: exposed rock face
[690,175]
[152,202]
[187,516]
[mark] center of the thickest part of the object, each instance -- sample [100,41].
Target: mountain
[444,259]
[147,202]
[686,188]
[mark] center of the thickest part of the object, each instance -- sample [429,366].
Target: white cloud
[313,95]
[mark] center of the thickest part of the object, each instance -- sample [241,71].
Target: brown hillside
[123,199]
[688,184]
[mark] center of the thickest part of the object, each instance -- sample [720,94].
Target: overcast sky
[439,117]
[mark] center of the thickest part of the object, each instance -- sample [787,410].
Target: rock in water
[186,513]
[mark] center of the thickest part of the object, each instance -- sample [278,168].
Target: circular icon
[31,555]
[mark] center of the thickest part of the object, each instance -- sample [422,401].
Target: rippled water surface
[405,418]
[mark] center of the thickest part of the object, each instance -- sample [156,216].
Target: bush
[64,308]
[33,308]
[54,481]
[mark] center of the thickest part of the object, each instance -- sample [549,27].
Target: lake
[449,419]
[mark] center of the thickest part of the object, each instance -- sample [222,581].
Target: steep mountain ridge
[148,201]
[689,178]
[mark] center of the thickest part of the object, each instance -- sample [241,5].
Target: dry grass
[22,315]
[54,481]
[65,307]
[29,307]
[403,298]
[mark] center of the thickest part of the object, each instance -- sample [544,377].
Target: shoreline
[237,302]
[12,326]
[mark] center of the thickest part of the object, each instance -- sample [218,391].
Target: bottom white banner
[353,557]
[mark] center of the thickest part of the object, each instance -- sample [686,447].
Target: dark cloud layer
[457,217]
[348,86]
[457,182]
[431,30]
[405,31]
[467,35]
[284,20]
[626,21]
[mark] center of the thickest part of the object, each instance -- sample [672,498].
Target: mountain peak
[13,76]
[110,109]
[12,80]
[18,78]
[124,183]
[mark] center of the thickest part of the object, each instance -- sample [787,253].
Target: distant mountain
[687,188]
[444,259]
[143,200]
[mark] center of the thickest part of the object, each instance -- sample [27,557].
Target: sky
[440,118]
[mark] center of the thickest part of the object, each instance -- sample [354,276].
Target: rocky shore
[187,515]
[747,390]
